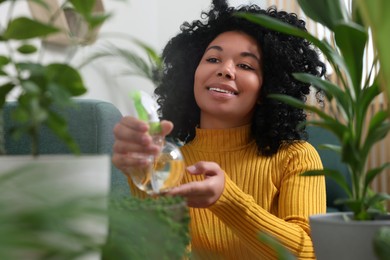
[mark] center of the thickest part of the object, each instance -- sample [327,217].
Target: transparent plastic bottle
[165,170]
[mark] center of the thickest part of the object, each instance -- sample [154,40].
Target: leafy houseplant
[349,235]
[352,97]
[40,85]
[41,218]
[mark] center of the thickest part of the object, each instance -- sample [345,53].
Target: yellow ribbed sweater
[261,194]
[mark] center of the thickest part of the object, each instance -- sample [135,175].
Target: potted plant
[50,217]
[40,185]
[40,85]
[352,96]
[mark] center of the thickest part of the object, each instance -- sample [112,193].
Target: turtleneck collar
[222,139]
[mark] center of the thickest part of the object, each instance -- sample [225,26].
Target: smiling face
[228,81]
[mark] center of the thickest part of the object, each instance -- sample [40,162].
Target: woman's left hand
[202,194]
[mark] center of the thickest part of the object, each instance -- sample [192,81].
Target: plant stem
[2,134]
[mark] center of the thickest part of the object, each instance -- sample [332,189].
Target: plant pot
[335,238]
[54,205]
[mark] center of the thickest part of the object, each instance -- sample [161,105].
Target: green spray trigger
[146,108]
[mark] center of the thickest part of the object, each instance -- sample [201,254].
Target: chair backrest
[331,160]
[90,123]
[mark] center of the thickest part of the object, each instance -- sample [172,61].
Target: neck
[221,122]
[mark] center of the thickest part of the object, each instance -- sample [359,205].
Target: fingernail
[191,168]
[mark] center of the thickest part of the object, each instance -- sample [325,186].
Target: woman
[244,151]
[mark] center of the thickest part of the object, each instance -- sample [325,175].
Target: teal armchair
[91,124]
[331,160]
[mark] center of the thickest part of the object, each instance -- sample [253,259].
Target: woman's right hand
[133,142]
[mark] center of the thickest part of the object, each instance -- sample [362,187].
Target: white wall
[152,21]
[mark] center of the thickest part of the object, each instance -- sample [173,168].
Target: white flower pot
[46,183]
[335,238]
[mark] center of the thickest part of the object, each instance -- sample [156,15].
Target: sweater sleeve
[298,198]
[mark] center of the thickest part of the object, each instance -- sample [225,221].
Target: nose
[226,70]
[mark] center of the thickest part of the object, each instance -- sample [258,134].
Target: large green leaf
[331,91]
[24,28]
[327,12]
[66,77]
[351,38]
[96,20]
[337,176]
[4,60]
[27,49]
[4,90]
[330,147]
[83,7]
[331,54]
[371,174]
[334,126]
[376,15]
[59,126]
[376,133]
[299,104]
[365,99]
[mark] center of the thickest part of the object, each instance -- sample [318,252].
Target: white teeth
[222,91]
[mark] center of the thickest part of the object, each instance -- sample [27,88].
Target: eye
[212,60]
[245,67]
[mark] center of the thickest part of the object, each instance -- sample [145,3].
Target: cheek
[200,78]
[253,84]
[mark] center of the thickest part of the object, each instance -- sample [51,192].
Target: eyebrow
[242,54]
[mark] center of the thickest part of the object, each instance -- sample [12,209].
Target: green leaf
[27,49]
[4,90]
[365,99]
[4,60]
[378,198]
[24,28]
[331,90]
[337,176]
[84,7]
[351,38]
[330,147]
[381,243]
[327,12]
[35,71]
[59,126]
[66,77]
[30,87]
[272,23]
[96,20]
[299,104]
[281,251]
[376,15]
[333,126]
[376,134]
[371,174]
[377,120]
[152,54]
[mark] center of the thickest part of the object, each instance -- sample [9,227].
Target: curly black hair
[273,122]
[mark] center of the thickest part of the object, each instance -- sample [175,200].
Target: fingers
[166,127]
[125,161]
[202,194]
[133,145]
